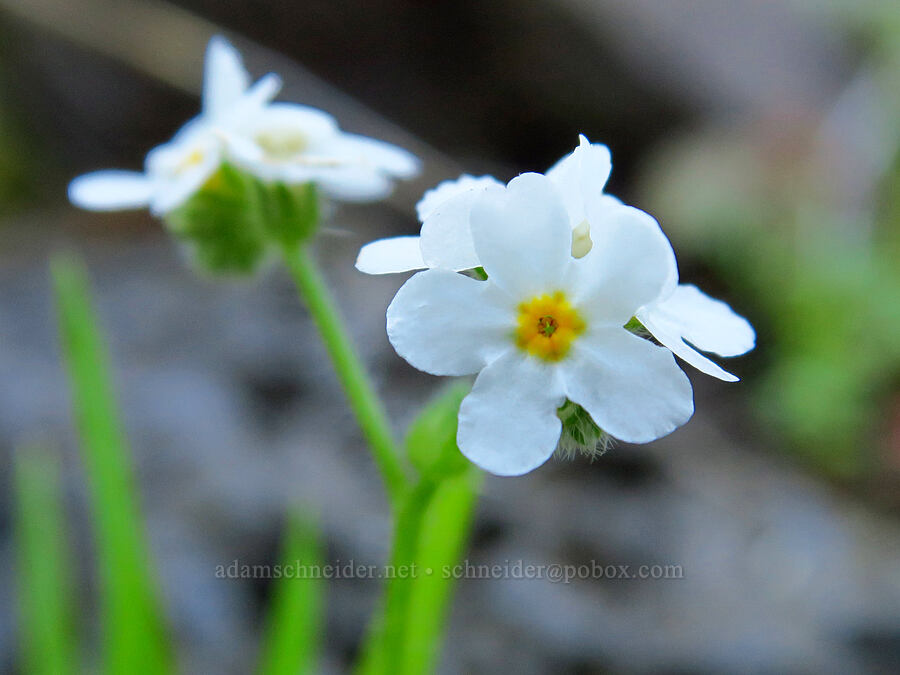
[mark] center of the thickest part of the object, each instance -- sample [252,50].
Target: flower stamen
[547,326]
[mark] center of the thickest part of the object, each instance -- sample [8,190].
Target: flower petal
[448,324]
[174,192]
[670,336]
[111,190]
[633,389]
[444,212]
[386,256]
[378,155]
[522,235]
[580,174]
[346,183]
[224,77]
[628,266]
[709,324]
[451,188]
[508,423]
[252,102]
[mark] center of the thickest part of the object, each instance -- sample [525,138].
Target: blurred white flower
[295,144]
[544,327]
[282,142]
[680,315]
[176,170]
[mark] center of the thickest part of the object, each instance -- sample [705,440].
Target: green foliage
[442,542]
[48,644]
[431,439]
[235,220]
[134,638]
[294,625]
[430,532]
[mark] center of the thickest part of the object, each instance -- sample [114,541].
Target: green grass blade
[134,639]
[293,634]
[48,642]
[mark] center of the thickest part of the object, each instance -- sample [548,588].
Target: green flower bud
[580,434]
[235,220]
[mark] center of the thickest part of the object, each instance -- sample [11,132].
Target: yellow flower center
[547,326]
[193,159]
[281,145]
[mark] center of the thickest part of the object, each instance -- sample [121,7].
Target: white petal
[451,188]
[224,78]
[508,423]
[445,212]
[348,184]
[447,324]
[386,256]
[709,324]
[175,192]
[252,103]
[581,174]
[111,190]
[669,335]
[290,120]
[522,235]
[378,155]
[632,389]
[627,267]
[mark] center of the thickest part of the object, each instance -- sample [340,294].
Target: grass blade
[134,639]
[48,643]
[293,633]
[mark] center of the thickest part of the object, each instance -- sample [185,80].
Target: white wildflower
[680,315]
[176,170]
[544,327]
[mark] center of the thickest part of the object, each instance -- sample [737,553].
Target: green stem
[350,371]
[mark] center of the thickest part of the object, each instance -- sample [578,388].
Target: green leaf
[442,542]
[48,639]
[431,439]
[430,534]
[293,633]
[134,639]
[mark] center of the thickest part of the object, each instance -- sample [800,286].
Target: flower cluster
[244,163]
[284,142]
[563,300]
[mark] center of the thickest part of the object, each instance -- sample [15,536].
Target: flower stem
[366,405]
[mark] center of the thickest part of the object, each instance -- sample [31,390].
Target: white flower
[297,144]
[544,327]
[680,315]
[177,169]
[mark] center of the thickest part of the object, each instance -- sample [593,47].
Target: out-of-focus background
[764,136]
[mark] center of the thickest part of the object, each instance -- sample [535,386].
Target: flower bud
[580,434]
[233,221]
